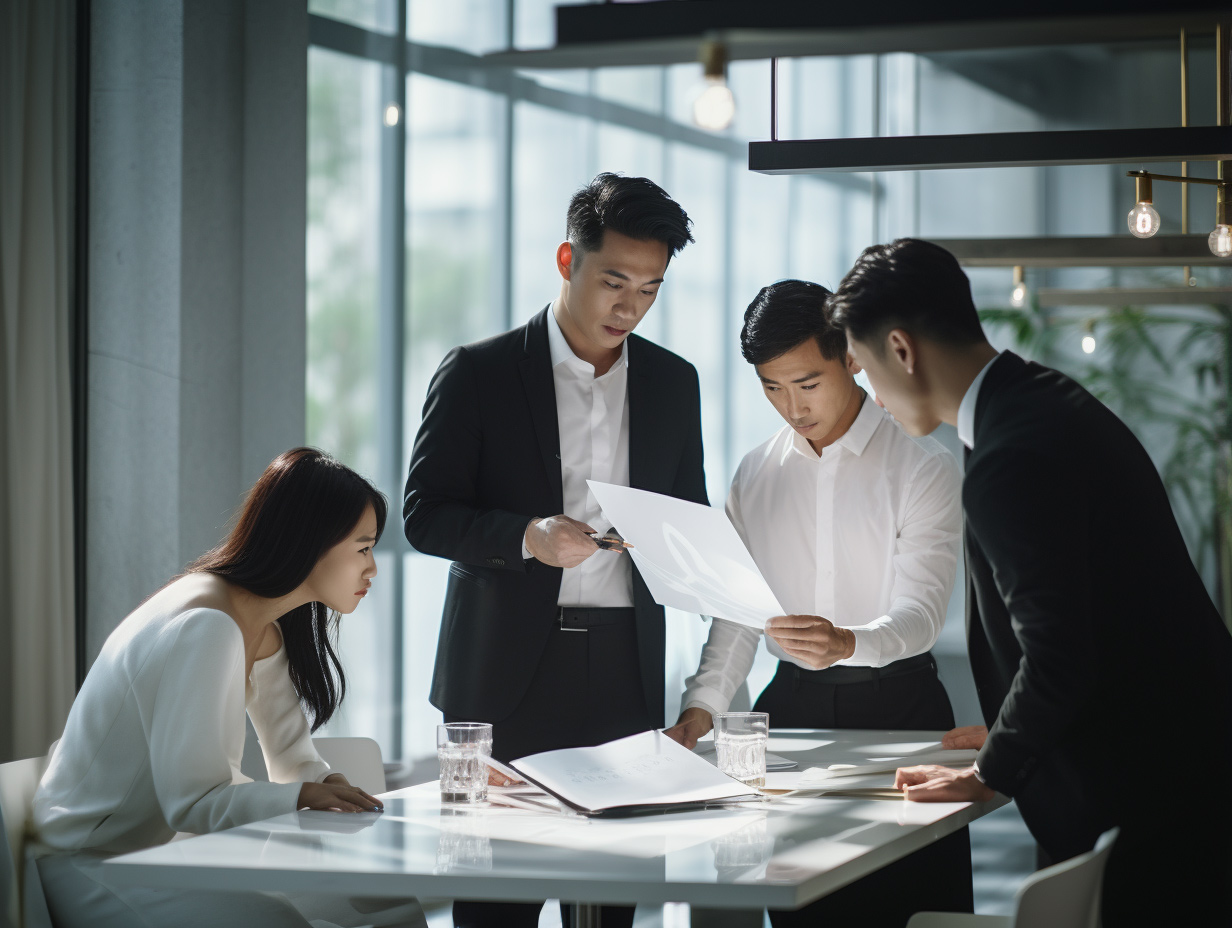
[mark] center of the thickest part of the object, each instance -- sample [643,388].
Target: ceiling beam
[992,150]
[668,31]
[1084,251]
[1136,296]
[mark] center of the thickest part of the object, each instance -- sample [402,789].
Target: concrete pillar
[196,278]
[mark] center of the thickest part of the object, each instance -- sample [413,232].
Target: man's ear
[902,347]
[853,368]
[564,259]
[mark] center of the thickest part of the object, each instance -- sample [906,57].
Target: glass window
[344,192]
[343,204]
[492,156]
[377,15]
[475,26]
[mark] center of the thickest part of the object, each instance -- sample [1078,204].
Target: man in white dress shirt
[857,529]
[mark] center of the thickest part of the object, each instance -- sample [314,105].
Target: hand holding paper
[811,639]
[689,555]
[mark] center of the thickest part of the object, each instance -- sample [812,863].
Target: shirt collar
[856,438]
[562,354]
[966,409]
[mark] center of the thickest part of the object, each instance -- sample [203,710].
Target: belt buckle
[560,617]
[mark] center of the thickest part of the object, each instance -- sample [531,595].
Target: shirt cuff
[697,704]
[975,768]
[706,697]
[526,555]
[868,648]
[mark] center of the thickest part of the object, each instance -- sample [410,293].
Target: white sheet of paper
[818,775]
[689,555]
[645,769]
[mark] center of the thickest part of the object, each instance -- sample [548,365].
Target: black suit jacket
[1093,642]
[486,460]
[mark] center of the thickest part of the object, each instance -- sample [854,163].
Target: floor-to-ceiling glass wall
[491,156]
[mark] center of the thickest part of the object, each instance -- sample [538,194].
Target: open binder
[643,773]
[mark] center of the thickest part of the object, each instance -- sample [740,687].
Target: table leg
[586,914]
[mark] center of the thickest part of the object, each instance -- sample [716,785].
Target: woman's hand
[337,795]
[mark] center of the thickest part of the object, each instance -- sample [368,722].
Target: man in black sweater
[1104,670]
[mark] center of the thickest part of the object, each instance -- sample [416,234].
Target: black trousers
[587,690]
[934,878]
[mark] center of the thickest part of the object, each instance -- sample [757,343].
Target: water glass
[461,747]
[740,740]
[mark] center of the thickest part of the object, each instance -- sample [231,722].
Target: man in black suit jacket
[554,640]
[1103,669]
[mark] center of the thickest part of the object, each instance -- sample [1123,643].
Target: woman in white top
[153,743]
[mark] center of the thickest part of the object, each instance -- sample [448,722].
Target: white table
[781,854]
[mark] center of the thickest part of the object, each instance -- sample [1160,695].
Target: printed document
[689,555]
[644,770]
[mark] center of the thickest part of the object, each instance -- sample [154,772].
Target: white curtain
[36,490]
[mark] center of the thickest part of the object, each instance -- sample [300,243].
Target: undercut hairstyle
[305,503]
[908,284]
[786,314]
[633,206]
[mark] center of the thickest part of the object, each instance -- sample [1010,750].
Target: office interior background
[273,219]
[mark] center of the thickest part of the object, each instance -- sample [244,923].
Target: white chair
[357,759]
[1066,895]
[22,904]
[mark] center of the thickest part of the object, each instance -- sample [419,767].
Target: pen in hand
[609,542]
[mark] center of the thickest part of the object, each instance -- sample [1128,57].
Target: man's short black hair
[909,284]
[633,206]
[786,314]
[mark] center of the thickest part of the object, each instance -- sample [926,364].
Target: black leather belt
[582,618]
[837,676]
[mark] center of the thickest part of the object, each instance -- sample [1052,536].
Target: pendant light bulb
[1020,293]
[1143,218]
[1220,240]
[714,107]
[1088,340]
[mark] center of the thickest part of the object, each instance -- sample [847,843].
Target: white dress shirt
[866,534]
[592,416]
[966,409]
[154,740]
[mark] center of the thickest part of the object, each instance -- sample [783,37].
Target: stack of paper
[859,780]
[645,772]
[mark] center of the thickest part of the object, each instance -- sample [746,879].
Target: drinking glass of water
[740,739]
[461,748]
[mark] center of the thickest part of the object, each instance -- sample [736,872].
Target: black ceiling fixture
[661,32]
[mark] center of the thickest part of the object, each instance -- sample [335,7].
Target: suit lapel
[536,370]
[649,419]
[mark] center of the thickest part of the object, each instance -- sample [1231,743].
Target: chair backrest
[1066,895]
[18,781]
[357,759]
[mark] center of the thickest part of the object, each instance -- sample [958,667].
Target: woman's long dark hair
[305,503]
